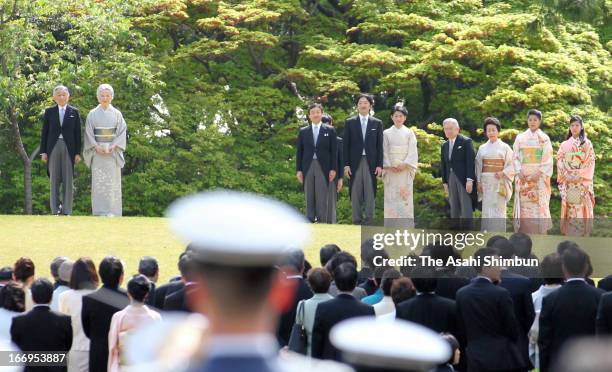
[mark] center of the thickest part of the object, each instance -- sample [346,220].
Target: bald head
[451,128]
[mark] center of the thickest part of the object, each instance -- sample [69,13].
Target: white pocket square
[459,147]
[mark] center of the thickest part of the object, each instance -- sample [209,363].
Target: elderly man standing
[458,172]
[60,148]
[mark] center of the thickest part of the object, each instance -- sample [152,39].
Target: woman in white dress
[105,142]
[494,175]
[83,281]
[400,163]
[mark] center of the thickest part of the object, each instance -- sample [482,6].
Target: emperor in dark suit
[316,163]
[363,158]
[458,171]
[60,147]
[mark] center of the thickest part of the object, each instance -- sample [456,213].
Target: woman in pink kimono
[575,169]
[133,316]
[533,162]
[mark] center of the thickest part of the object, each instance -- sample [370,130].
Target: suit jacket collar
[322,129]
[41,308]
[345,296]
[458,142]
[481,280]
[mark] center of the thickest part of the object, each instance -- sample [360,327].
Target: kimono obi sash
[104,134]
[492,165]
[531,152]
[397,154]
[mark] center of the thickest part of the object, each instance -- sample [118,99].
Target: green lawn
[44,237]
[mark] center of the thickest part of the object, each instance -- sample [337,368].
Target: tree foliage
[214,91]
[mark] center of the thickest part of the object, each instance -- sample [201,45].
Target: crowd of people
[366,152]
[493,318]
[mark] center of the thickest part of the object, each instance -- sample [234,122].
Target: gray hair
[107,87]
[62,88]
[452,121]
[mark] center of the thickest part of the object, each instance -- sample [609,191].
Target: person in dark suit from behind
[317,163]
[485,312]
[336,186]
[522,245]
[149,267]
[566,244]
[337,260]
[605,283]
[178,300]
[427,308]
[520,291]
[60,148]
[570,311]
[363,158]
[455,355]
[41,329]
[447,283]
[292,265]
[165,289]
[402,290]
[332,312]
[604,315]
[98,309]
[370,259]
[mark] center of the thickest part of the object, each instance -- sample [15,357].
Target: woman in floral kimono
[575,169]
[533,162]
[494,174]
[400,163]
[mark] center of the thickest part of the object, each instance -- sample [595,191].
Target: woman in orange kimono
[533,162]
[575,169]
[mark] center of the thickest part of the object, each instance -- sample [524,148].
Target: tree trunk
[426,94]
[25,159]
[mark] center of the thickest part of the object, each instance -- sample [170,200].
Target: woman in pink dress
[133,316]
[575,169]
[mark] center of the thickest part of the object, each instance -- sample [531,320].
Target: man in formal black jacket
[172,286]
[458,173]
[177,300]
[363,158]
[60,148]
[605,283]
[292,264]
[485,312]
[604,315]
[41,329]
[98,309]
[317,163]
[520,291]
[336,186]
[332,312]
[427,308]
[570,311]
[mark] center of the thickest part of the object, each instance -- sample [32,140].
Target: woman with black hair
[494,176]
[575,170]
[400,163]
[127,320]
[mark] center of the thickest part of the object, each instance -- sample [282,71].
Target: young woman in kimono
[105,142]
[575,169]
[400,163]
[533,162]
[494,175]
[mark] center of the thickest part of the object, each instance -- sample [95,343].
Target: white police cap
[237,229]
[394,344]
